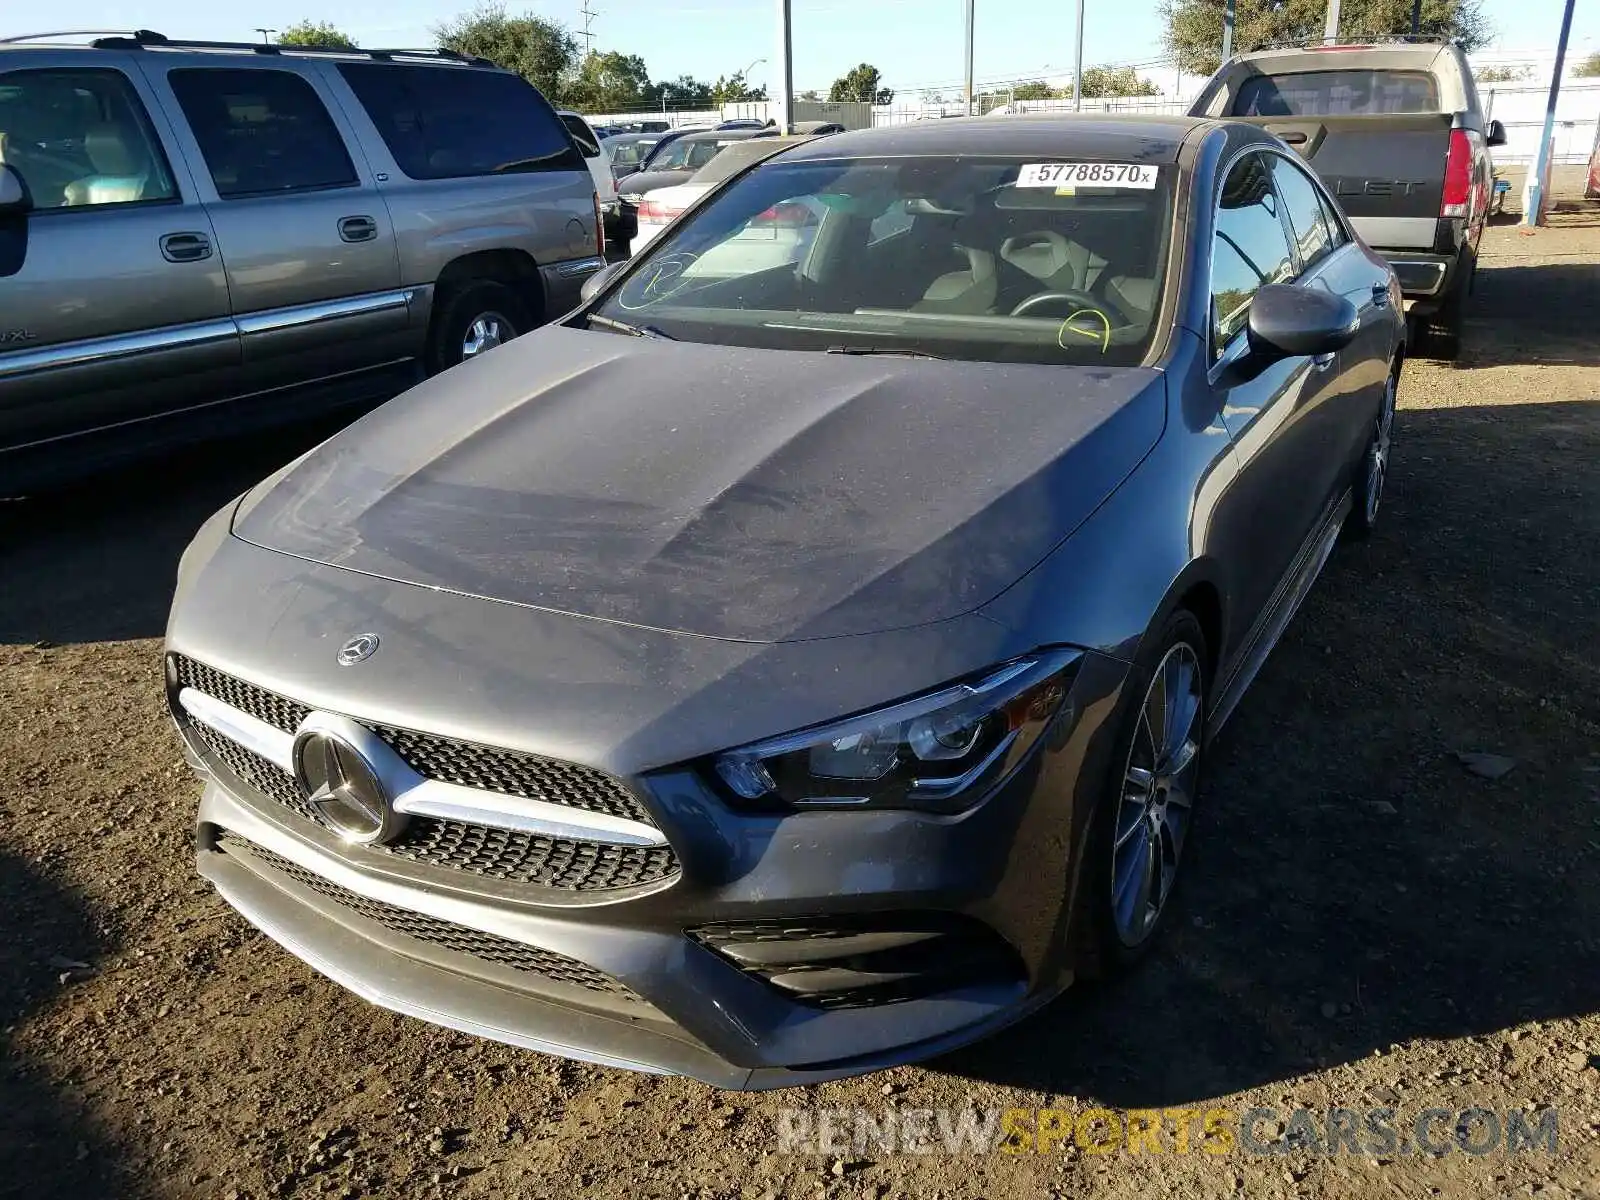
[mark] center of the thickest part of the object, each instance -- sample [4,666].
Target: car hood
[760,495]
[649,181]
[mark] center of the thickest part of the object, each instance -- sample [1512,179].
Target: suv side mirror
[1497,134]
[1286,322]
[597,282]
[14,198]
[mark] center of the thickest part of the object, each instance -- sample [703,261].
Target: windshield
[687,154]
[987,259]
[1344,93]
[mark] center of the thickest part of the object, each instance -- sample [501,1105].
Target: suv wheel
[1441,330]
[474,318]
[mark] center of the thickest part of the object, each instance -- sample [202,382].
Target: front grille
[514,856]
[449,760]
[447,935]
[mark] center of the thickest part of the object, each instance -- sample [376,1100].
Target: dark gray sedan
[802,658]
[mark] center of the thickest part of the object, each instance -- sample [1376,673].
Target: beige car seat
[122,171]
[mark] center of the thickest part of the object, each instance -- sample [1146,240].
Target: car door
[113,300]
[1277,498]
[1340,412]
[313,271]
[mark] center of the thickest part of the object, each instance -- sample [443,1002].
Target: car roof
[725,135]
[1394,56]
[1049,136]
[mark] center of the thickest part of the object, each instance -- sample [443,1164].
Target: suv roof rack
[145,39]
[1357,41]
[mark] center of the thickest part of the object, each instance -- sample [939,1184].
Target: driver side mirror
[14,198]
[598,282]
[1288,322]
[1496,134]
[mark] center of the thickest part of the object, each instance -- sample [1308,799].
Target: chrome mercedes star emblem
[358,649]
[343,789]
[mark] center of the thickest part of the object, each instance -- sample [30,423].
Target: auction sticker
[1087,174]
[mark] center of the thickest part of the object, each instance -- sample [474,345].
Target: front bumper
[434,939]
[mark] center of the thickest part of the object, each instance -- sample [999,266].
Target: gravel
[1364,920]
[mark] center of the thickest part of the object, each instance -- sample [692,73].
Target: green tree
[1116,81]
[811,95]
[861,83]
[683,92]
[1035,89]
[1194,27]
[316,33]
[610,82]
[1589,68]
[543,52]
[734,89]
[1503,74]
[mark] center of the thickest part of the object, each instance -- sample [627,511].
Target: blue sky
[916,43]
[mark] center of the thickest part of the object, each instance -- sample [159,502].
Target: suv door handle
[357,229]
[1380,295]
[185,247]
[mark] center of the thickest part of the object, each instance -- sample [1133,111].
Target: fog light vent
[846,962]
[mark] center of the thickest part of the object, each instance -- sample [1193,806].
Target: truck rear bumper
[1419,275]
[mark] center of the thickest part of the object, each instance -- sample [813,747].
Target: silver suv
[201,237]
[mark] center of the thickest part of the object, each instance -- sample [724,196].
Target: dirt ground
[1366,922]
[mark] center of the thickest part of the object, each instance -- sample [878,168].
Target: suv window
[450,122]
[1343,93]
[1304,206]
[81,139]
[1250,248]
[261,131]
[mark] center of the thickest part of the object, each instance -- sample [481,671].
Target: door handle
[185,247]
[1322,362]
[1380,295]
[357,229]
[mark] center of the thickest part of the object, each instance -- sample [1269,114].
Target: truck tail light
[1457,176]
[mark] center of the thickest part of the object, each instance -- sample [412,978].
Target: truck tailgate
[1387,171]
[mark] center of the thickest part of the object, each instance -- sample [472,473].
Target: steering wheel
[1080,300]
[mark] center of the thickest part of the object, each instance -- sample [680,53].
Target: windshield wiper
[888,351]
[644,331]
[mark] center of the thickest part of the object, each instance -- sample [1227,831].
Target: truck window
[451,122]
[81,139]
[1347,93]
[1250,248]
[261,131]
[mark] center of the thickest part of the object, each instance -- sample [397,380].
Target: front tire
[1146,811]
[1373,471]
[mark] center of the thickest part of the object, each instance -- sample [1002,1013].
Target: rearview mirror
[14,196]
[597,282]
[1287,322]
[1497,134]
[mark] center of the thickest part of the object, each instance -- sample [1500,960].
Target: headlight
[940,752]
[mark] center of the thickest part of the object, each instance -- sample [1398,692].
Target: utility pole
[1416,16]
[587,32]
[971,27]
[1533,192]
[1077,67]
[266,34]
[1330,32]
[784,83]
[1227,30]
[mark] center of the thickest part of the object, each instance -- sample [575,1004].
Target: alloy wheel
[1157,800]
[1378,452]
[484,333]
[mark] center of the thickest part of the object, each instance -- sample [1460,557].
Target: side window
[1304,204]
[1335,222]
[262,132]
[450,122]
[81,139]
[1250,248]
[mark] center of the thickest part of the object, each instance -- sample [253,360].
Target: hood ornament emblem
[358,649]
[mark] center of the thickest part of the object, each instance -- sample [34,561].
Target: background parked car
[626,151]
[1398,135]
[776,237]
[675,160]
[187,224]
